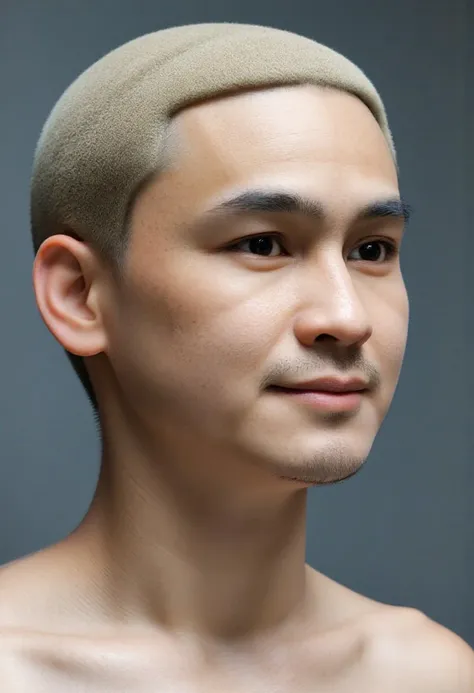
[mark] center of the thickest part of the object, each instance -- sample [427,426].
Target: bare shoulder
[18,592]
[419,654]
[17,580]
[33,589]
[13,676]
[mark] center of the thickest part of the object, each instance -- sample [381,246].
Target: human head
[111,130]
[184,324]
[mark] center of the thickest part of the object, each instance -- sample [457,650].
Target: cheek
[390,336]
[207,344]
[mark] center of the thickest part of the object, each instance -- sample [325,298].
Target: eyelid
[264,234]
[391,245]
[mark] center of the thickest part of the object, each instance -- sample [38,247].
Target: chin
[301,446]
[320,475]
[315,460]
[326,468]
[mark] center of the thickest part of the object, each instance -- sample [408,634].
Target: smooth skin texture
[188,572]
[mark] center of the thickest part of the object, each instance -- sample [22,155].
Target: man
[217,226]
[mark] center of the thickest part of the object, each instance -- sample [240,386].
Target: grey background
[401,531]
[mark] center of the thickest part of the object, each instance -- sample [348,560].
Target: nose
[332,308]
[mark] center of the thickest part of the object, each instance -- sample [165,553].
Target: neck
[185,547]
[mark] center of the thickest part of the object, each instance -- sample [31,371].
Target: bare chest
[339,666]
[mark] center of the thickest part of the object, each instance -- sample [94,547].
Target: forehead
[323,132]
[317,142]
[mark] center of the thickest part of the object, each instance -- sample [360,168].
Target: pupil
[372,251]
[262,244]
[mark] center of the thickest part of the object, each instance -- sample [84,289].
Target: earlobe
[66,291]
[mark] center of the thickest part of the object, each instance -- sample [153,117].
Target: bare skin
[188,572]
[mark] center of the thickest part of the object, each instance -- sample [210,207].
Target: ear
[68,280]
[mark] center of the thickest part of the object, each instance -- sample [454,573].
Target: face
[218,307]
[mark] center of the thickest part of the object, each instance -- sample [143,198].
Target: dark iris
[372,251]
[261,244]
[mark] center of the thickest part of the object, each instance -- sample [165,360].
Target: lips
[329,385]
[337,397]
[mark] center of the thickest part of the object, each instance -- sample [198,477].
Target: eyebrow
[255,201]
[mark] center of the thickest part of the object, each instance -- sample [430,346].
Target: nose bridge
[335,286]
[333,304]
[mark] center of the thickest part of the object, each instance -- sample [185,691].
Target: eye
[264,245]
[268,245]
[376,251]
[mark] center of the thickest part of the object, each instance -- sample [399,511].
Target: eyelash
[391,249]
